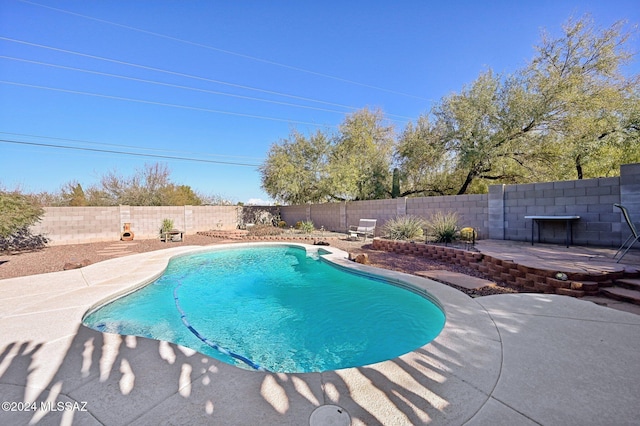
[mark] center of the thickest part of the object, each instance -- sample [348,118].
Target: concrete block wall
[471,209]
[331,216]
[146,221]
[293,214]
[205,218]
[78,225]
[338,217]
[500,213]
[630,192]
[591,199]
[381,210]
[497,215]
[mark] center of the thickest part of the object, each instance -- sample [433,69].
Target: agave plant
[307,226]
[167,225]
[443,226]
[404,228]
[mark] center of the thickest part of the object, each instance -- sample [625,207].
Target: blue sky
[221,81]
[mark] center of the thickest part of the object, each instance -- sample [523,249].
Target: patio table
[568,220]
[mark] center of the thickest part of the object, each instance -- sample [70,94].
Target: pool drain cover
[329,415]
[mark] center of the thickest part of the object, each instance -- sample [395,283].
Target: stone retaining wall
[524,277]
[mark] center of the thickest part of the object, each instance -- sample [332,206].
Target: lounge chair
[634,237]
[364,228]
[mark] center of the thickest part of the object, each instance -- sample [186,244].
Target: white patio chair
[364,228]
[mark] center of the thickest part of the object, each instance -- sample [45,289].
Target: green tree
[295,170]
[360,162]
[353,164]
[72,194]
[150,186]
[477,136]
[179,195]
[587,100]
[425,167]
[17,211]
[555,119]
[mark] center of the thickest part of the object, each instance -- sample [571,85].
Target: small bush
[22,240]
[167,225]
[404,228]
[17,211]
[443,227]
[468,234]
[307,226]
[264,230]
[282,224]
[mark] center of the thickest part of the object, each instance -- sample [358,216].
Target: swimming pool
[278,308]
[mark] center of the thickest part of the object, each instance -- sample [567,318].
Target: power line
[228,52]
[127,146]
[142,101]
[179,74]
[108,151]
[177,86]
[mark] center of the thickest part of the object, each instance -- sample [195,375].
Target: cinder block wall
[330,215]
[146,221]
[472,209]
[205,218]
[500,213]
[79,225]
[293,214]
[591,199]
[381,210]
[338,217]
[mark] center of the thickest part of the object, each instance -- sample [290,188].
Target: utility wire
[178,86]
[128,146]
[109,151]
[228,52]
[142,101]
[115,61]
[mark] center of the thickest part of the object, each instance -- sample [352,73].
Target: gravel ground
[54,258]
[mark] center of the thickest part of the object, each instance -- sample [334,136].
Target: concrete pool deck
[517,359]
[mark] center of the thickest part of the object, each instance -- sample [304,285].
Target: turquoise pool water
[274,308]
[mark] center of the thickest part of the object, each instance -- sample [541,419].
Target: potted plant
[167,227]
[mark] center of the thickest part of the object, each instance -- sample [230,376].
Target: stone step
[624,294]
[630,283]
[455,278]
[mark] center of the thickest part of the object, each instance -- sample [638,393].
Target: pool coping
[471,373]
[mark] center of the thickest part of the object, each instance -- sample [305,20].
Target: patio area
[513,359]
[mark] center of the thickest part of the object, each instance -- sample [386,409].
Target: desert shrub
[264,230]
[16,212]
[265,217]
[307,226]
[282,224]
[443,227]
[468,234]
[22,240]
[167,225]
[404,228]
